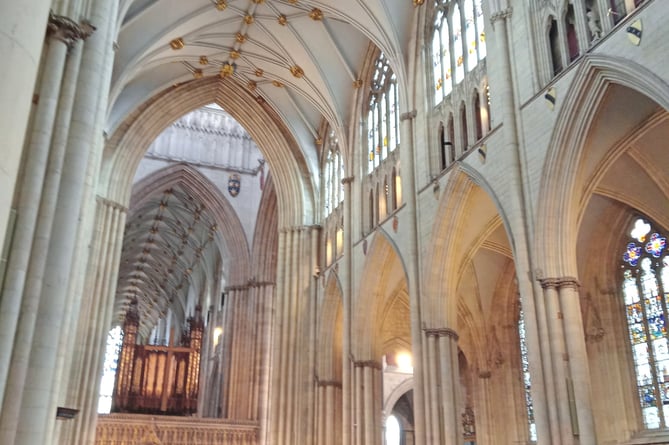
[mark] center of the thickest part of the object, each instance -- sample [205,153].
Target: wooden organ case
[154,379]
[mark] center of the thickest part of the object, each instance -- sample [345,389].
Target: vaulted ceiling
[302,57]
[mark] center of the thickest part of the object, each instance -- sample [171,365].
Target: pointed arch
[557,216]
[129,143]
[330,334]
[233,241]
[383,270]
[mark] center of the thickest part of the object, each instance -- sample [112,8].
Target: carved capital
[441,332]
[502,14]
[408,115]
[347,180]
[549,283]
[67,30]
[568,282]
[368,364]
[485,374]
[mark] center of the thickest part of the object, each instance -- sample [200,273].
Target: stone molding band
[441,332]
[501,15]
[325,383]
[67,30]
[559,283]
[368,364]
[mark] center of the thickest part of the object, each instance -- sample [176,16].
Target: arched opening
[554,42]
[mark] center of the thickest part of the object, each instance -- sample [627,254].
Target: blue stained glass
[638,333]
[632,254]
[656,245]
[647,396]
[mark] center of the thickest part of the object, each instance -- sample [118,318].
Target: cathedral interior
[352,222]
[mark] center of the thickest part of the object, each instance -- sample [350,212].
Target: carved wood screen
[158,379]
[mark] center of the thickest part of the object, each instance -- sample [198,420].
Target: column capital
[549,283]
[441,332]
[502,14]
[485,374]
[324,383]
[568,282]
[368,364]
[347,180]
[112,204]
[67,30]
[408,115]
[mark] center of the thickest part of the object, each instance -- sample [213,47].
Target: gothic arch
[130,141]
[266,236]
[232,239]
[330,333]
[559,202]
[373,294]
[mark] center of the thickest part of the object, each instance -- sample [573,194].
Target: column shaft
[29,200]
[559,353]
[39,398]
[578,359]
[21,39]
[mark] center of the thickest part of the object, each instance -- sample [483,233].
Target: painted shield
[551,97]
[634,32]
[483,153]
[234,184]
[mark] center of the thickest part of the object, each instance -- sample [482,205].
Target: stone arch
[130,141]
[330,333]
[232,239]
[392,398]
[464,190]
[265,246]
[382,255]
[559,203]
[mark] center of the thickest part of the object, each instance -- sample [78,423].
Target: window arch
[645,289]
[458,40]
[333,173]
[463,128]
[477,115]
[383,118]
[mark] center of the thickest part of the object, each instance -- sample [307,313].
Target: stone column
[520,216]
[368,421]
[21,39]
[95,320]
[62,32]
[560,373]
[291,374]
[577,359]
[40,393]
[407,153]
[347,283]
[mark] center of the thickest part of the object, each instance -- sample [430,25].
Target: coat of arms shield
[234,184]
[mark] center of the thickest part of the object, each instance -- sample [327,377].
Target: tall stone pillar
[520,216]
[85,137]
[347,278]
[441,358]
[577,359]
[83,384]
[62,32]
[407,153]
[562,431]
[368,405]
[328,412]
[292,372]
[21,38]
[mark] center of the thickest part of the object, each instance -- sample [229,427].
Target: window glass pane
[480,29]
[436,67]
[446,57]
[114,342]
[470,35]
[646,313]
[457,45]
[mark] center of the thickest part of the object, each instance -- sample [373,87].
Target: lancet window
[383,134]
[645,289]
[458,43]
[114,342]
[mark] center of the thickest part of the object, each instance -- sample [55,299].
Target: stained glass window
[480,28]
[645,289]
[527,380]
[383,118]
[458,55]
[470,35]
[333,173]
[114,342]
